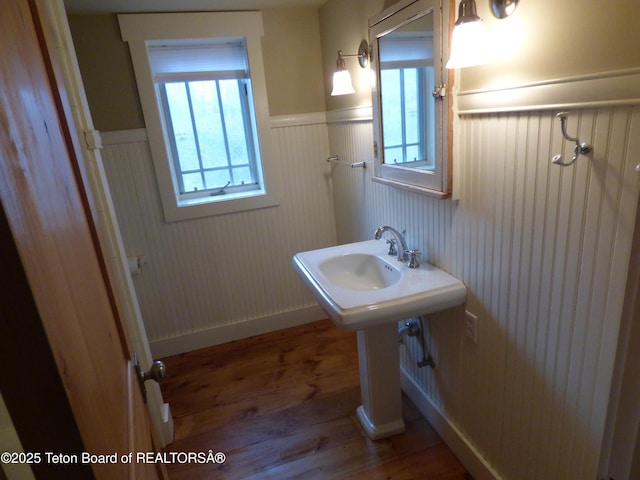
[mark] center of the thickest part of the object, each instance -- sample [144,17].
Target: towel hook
[581,148]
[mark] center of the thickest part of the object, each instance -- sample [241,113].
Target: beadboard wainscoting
[213,280]
[544,253]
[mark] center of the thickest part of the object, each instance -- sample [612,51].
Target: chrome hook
[581,148]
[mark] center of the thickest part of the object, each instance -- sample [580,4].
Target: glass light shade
[342,83]
[470,45]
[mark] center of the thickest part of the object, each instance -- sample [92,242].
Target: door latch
[157,372]
[440,91]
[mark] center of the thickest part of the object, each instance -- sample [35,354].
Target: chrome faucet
[402,249]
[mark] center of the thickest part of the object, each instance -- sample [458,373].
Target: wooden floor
[282,405]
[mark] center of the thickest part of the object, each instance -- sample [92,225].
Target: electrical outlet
[471,326]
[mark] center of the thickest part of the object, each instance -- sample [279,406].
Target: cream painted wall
[344,24]
[291,49]
[292,61]
[219,278]
[559,39]
[512,206]
[107,72]
[543,250]
[544,253]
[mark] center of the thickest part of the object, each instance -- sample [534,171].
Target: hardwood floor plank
[434,463]
[282,405]
[279,423]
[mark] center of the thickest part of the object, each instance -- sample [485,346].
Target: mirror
[410,109]
[406,77]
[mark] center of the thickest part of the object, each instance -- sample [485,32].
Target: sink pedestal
[363,290]
[381,411]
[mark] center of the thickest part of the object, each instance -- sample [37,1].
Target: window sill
[218,205]
[227,197]
[412,188]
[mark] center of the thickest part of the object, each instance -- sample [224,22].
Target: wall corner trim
[605,89]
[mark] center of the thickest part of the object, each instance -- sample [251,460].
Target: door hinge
[92,139]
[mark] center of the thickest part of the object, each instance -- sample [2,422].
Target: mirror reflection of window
[406,82]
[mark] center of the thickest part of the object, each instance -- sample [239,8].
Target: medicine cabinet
[411,104]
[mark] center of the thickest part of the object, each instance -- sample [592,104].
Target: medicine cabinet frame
[434,178]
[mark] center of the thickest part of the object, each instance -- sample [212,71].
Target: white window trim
[138,30]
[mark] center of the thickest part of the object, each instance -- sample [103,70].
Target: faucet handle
[392,246]
[413,258]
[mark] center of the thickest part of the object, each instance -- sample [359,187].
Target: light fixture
[341,78]
[469,41]
[503,8]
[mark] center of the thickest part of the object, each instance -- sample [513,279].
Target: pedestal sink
[362,288]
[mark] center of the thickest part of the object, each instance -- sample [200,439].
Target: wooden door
[48,213]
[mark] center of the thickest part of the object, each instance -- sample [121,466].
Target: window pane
[411,106]
[393,155]
[180,113]
[206,111]
[192,182]
[391,93]
[242,175]
[413,153]
[217,178]
[234,121]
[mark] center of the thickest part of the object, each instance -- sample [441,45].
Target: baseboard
[450,434]
[236,331]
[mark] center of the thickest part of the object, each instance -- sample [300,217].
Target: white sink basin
[360,286]
[360,271]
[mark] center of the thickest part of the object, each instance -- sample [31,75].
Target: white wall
[544,253]
[621,450]
[212,280]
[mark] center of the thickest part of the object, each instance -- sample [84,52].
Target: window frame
[141,31]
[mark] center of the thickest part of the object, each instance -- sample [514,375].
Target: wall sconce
[503,8]
[469,41]
[342,78]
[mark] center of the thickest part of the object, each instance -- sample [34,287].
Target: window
[204,103]
[210,132]
[205,96]
[408,115]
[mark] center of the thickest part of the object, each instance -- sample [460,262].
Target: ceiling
[123,6]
